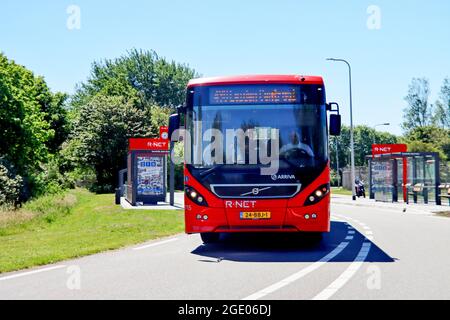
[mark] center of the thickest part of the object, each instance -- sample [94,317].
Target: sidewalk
[401,206]
[335,199]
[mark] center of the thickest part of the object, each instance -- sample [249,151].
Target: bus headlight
[318,195]
[195,197]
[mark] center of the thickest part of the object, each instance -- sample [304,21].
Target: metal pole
[172,176]
[437,179]
[337,162]
[352,142]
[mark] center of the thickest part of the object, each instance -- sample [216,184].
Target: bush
[50,180]
[11,186]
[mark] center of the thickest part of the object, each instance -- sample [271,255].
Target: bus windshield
[300,129]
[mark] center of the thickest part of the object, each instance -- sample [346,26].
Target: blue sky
[245,37]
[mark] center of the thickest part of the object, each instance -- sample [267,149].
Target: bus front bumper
[314,218]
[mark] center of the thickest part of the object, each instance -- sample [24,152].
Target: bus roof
[256,79]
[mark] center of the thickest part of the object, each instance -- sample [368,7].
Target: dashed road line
[337,284]
[151,245]
[23,274]
[346,275]
[298,275]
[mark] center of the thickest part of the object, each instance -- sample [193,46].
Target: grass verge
[341,191]
[78,223]
[443,214]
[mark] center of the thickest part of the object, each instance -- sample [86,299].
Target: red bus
[225,191]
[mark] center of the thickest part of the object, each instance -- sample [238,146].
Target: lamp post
[378,125]
[337,162]
[352,144]
[371,188]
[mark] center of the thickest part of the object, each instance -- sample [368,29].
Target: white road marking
[351,232]
[299,274]
[155,244]
[346,275]
[349,238]
[23,274]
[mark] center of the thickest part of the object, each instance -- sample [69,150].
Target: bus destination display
[253,94]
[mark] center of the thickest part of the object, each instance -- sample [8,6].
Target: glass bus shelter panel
[429,179]
[419,178]
[382,177]
[400,182]
[422,177]
[422,181]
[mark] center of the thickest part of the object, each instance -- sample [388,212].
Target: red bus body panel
[256,79]
[288,215]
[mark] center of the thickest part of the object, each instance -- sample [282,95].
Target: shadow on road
[278,247]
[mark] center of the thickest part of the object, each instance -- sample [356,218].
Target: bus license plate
[255,215]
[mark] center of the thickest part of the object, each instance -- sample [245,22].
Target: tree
[154,80]
[24,129]
[429,138]
[418,113]
[363,137]
[441,116]
[139,91]
[100,136]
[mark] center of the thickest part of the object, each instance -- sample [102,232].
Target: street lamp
[378,125]
[352,144]
[337,161]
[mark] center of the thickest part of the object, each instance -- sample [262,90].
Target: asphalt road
[371,253]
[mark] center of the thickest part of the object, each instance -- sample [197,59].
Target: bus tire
[210,237]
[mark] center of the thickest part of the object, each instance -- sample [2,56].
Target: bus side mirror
[335,124]
[174,124]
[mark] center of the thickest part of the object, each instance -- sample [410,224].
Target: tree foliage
[427,127]
[364,137]
[24,129]
[431,139]
[100,136]
[32,120]
[418,112]
[131,96]
[441,116]
[144,74]
[10,185]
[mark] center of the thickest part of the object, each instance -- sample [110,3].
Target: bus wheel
[210,237]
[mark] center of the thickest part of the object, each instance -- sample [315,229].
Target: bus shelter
[407,176]
[147,171]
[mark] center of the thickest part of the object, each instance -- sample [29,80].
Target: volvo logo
[255,191]
[276,177]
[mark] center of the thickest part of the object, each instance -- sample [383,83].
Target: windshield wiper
[207,172]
